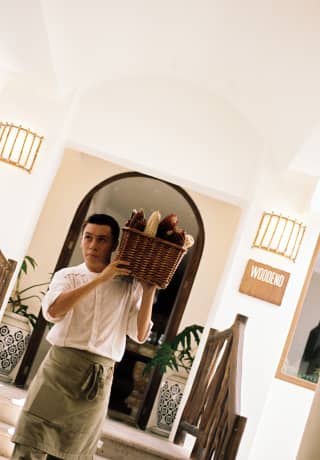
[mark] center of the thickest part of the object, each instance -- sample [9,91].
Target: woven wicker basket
[152,259]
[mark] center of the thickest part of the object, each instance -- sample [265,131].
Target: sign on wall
[264,282]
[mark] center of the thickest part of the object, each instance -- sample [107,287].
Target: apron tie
[92,381]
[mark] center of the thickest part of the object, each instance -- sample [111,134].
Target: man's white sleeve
[60,283]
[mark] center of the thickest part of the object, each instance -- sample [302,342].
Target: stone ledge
[122,441]
[6,446]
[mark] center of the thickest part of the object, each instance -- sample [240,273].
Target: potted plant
[18,301]
[17,322]
[177,355]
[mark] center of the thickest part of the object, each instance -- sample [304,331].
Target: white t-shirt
[100,321]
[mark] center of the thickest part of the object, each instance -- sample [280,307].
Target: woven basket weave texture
[152,259]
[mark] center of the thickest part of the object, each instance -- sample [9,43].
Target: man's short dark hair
[104,219]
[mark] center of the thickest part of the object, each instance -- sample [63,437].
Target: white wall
[173,129]
[282,423]
[268,324]
[23,101]
[306,159]
[287,405]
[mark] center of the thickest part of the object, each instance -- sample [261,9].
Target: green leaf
[177,352]
[23,267]
[17,299]
[31,261]
[32,318]
[21,309]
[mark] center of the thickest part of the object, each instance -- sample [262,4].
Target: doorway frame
[180,300]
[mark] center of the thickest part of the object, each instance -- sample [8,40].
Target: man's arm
[68,299]
[144,314]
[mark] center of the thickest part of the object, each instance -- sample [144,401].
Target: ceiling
[262,57]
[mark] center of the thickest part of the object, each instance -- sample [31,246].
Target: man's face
[97,245]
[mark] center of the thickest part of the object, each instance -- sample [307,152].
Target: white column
[310,443]
[34,104]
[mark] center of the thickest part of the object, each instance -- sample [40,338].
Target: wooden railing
[211,413]
[7,268]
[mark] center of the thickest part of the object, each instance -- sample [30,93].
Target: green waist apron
[66,404]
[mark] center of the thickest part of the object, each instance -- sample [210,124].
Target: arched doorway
[117,196]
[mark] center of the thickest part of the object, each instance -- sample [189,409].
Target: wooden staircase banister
[7,268]
[211,413]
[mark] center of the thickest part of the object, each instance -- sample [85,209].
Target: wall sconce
[19,146]
[280,235]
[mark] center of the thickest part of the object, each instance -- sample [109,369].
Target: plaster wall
[23,194]
[264,400]
[173,129]
[287,405]
[282,423]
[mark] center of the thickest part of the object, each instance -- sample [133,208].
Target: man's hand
[115,268]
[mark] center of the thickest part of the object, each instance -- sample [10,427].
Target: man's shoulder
[75,269]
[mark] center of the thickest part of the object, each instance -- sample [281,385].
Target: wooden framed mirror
[300,359]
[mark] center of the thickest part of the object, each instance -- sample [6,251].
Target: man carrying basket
[93,307]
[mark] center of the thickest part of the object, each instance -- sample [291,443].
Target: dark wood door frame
[180,301]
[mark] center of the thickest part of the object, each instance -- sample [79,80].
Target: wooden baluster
[211,411]
[7,268]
